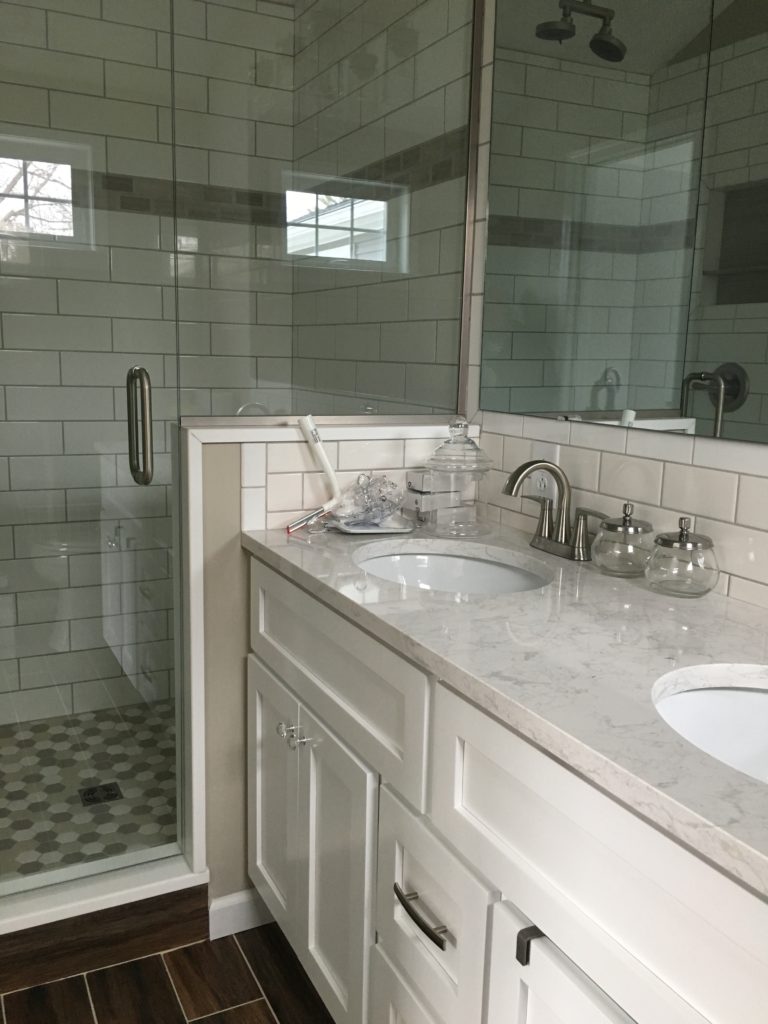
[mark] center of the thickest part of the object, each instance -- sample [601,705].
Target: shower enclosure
[258,207]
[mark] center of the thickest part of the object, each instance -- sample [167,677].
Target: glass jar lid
[625,523]
[684,539]
[459,454]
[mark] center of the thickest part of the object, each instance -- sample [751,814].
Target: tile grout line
[90,998]
[237,1006]
[253,975]
[173,986]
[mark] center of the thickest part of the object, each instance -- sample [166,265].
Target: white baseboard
[236,913]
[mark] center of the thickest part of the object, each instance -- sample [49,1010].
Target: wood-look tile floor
[251,978]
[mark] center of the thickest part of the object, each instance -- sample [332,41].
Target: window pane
[334,244]
[12,215]
[11,176]
[50,218]
[299,205]
[334,212]
[371,246]
[301,240]
[49,181]
[371,214]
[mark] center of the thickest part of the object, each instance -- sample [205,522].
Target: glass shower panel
[322,165]
[87,291]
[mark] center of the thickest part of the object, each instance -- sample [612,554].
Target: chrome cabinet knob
[294,741]
[285,731]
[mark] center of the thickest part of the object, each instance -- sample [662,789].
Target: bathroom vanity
[466,809]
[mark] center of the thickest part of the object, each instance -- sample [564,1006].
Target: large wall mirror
[627,266]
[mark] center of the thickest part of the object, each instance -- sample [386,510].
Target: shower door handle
[139,389]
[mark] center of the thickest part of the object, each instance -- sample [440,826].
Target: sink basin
[453,568]
[722,710]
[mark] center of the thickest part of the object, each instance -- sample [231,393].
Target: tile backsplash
[721,485]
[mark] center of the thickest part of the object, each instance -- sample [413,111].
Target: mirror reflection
[627,264]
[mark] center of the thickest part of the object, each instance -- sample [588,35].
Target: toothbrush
[312,436]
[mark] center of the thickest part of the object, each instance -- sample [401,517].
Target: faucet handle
[580,539]
[545,523]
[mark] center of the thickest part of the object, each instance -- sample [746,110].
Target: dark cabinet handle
[524,939]
[406,900]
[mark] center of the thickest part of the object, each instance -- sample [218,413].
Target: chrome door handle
[138,382]
[406,900]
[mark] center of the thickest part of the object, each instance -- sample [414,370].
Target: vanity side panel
[374,698]
[564,852]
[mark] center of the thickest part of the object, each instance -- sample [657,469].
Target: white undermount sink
[722,710]
[452,567]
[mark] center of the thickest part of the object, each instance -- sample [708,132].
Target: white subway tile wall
[726,503]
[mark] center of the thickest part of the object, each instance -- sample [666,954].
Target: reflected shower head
[605,44]
[556,31]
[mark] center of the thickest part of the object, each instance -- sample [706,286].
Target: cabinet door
[549,989]
[392,999]
[337,821]
[272,795]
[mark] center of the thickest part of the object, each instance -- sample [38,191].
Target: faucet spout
[515,482]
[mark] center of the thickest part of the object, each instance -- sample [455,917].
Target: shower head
[605,44]
[557,31]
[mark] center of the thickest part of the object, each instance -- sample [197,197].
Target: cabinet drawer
[652,924]
[374,698]
[449,981]
[392,1001]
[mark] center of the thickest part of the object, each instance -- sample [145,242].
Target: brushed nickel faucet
[559,538]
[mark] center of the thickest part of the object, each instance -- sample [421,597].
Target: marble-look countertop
[570,666]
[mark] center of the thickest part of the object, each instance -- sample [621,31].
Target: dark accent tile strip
[135,993]
[541,233]
[64,948]
[62,1002]
[429,163]
[281,976]
[210,977]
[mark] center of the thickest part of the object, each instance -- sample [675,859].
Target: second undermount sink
[453,567]
[722,709]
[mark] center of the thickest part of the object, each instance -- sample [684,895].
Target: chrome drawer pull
[406,899]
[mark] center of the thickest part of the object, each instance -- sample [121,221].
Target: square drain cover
[100,794]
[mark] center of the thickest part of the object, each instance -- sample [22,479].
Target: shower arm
[584,7]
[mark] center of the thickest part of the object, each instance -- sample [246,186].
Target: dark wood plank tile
[281,976]
[252,1013]
[211,976]
[61,1002]
[135,993]
[65,948]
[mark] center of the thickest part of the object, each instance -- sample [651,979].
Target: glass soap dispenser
[683,564]
[623,545]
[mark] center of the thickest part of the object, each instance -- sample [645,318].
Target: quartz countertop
[571,667]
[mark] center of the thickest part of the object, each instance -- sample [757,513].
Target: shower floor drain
[100,794]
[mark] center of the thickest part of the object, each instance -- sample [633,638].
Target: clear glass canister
[683,563]
[623,545]
[456,469]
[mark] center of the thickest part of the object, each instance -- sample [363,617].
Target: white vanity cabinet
[312,836]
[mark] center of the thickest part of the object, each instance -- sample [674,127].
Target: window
[336,227]
[35,198]
[324,225]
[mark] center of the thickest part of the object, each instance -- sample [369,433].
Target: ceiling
[654,31]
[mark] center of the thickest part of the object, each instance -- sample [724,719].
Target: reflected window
[36,198]
[361,224]
[336,227]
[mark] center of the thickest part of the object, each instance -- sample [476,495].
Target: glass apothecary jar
[456,469]
[623,545]
[683,564]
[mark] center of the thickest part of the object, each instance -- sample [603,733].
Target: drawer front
[377,700]
[392,1000]
[649,921]
[450,981]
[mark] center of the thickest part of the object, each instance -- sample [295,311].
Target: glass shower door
[87,292]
